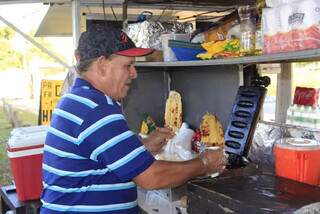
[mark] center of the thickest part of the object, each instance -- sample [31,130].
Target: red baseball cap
[103,40]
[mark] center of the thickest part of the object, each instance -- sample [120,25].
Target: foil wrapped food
[267,134]
[147,34]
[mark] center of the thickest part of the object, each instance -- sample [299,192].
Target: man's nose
[133,72]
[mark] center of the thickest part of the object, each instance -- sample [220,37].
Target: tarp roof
[58,20]
[156,3]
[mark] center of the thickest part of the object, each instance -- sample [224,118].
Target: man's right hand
[213,161]
[168,174]
[157,139]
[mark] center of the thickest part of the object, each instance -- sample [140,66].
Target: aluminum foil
[309,209]
[147,34]
[267,133]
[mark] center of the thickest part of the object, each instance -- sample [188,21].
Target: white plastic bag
[299,27]
[179,147]
[276,3]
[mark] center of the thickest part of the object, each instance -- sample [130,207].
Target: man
[92,161]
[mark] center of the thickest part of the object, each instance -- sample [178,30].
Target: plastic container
[258,39]
[306,96]
[248,29]
[25,152]
[185,51]
[168,54]
[298,159]
[299,27]
[271,29]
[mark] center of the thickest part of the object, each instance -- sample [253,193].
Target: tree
[9,58]
[33,51]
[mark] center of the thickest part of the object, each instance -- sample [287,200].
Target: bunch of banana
[211,131]
[215,48]
[212,48]
[147,125]
[173,113]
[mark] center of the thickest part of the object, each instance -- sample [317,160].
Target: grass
[5,128]
[27,118]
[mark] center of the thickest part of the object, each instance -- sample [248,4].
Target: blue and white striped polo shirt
[91,156]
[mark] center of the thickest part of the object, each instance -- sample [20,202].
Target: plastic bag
[292,27]
[179,147]
[276,3]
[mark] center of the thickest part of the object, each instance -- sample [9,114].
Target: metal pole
[284,87]
[76,22]
[125,14]
[35,43]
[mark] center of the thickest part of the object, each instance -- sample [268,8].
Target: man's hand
[213,161]
[157,139]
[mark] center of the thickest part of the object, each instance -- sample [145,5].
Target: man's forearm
[164,174]
[173,174]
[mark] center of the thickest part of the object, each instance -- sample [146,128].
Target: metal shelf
[298,56]
[190,5]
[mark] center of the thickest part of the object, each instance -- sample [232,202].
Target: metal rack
[298,56]
[208,85]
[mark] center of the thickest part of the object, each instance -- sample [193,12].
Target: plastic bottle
[295,115]
[247,29]
[302,116]
[258,39]
[317,117]
[290,115]
[308,116]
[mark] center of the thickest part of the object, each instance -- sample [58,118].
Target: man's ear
[77,56]
[101,64]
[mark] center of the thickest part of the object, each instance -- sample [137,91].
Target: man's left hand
[157,139]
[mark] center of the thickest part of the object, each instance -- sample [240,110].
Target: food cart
[211,86]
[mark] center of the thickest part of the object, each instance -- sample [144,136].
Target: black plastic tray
[243,119]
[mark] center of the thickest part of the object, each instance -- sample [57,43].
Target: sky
[24,16]
[28,17]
